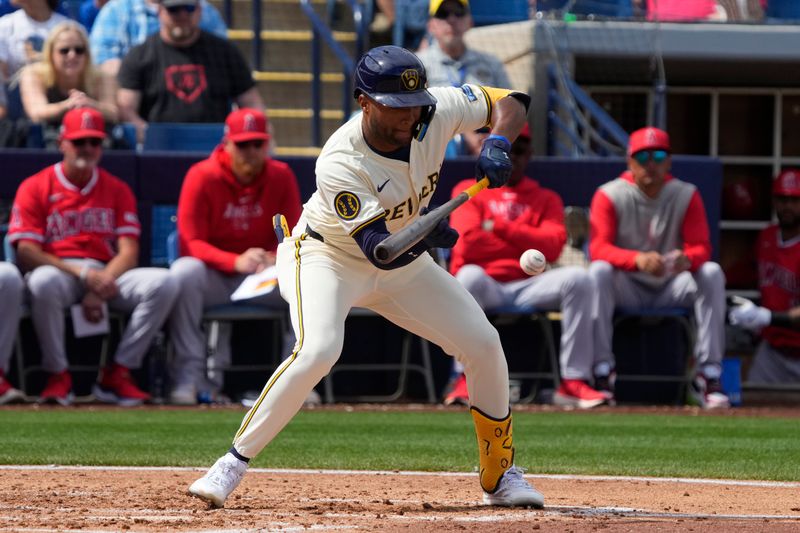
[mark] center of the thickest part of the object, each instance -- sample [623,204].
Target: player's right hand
[442,235]
[650,262]
[493,162]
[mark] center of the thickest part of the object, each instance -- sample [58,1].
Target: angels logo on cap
[83,122]
[246,125]
[787,183]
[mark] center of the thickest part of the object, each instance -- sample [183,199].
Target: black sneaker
[605,386]
[707,393]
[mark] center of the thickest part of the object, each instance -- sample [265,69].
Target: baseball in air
[532,262]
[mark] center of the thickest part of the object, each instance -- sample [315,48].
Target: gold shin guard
[495,447]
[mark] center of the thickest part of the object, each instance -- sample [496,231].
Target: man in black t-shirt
[183,74]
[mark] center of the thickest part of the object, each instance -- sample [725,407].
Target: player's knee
[711,274]
[579,282]
[43,282]
[471,276]
[163,287]
[320,353]
[601,272]
[10,282]
[188,272]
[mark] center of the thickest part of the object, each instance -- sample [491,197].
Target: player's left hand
[92,306]
[102,283]
[441,236]
[493,162]
[748,315]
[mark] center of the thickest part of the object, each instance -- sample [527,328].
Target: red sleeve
[474,245]
[603,230]
[28,214]
[696,240]
[194,217]
[548,236]
[127,222]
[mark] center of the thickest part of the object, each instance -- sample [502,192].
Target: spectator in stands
[88,11]
[650,247]
[684,10]
[496,227]
[413,18]
[76,232]
[11,292]
[183,73]
[449,62]
[226,232]
[65,79]
[123,24]
[23,32]
[777,359]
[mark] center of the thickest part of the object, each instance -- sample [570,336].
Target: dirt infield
[127,499]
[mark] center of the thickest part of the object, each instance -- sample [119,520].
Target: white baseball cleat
[514,491]
[220,480]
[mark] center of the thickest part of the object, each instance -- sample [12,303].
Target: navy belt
[311,233]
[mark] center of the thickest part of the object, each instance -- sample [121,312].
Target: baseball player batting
[374,176]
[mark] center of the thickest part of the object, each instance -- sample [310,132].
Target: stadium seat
[783,9]
[215,315]
[486,12]
[182,137]
[645,317]
[548,366]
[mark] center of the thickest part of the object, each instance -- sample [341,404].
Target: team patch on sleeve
[347,205]
[467,90]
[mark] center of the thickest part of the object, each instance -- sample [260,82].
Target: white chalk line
[493,515]
[566,477]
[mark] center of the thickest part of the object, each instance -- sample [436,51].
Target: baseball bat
[396,244]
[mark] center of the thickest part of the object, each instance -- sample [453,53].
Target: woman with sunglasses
[65,80]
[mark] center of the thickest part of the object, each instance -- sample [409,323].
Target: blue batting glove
[493,162]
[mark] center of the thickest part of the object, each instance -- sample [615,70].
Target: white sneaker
[514,491]
[220,480]
[313,399]
[183,395]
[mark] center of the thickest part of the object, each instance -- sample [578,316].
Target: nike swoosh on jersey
[381,186]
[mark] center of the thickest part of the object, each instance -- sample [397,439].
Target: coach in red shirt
[225,231]
[650,247]
[76,232]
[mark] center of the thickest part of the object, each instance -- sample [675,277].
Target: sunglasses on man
[657,156]
[174,10]
[243,145]
[457,11]
[94,142]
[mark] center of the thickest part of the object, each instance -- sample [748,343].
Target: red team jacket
[694,232]
[778,268]
[218,218]
[525,216]
[74,223]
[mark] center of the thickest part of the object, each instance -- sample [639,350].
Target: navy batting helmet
[394,77]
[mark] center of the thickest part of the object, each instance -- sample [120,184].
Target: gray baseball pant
[570,289]
[704,290]
[147,294]
[770,365]
[202,287]
[11,293]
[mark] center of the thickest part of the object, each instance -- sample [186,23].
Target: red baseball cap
[787,183]
[246,124]
[82,123]
[648,139]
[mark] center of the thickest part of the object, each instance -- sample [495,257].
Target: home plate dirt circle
[54,498]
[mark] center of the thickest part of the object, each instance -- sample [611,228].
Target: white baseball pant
[11,293]
[146,293]
[570,289]
[322,284]
[770,365]
[703,289]
[201,287]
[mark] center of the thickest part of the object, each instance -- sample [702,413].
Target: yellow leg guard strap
[495,447]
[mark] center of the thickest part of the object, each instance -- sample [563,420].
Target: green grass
[555,443]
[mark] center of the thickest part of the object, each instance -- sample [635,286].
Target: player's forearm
[31,256]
